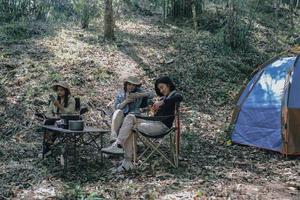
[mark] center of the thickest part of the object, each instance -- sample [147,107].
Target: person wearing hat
[62,103]
[164,108]
[130,99]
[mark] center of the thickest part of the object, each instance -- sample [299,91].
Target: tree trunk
[276,6]
[292,13]
[108,20]
[194,15]
[230,36]
[164,10]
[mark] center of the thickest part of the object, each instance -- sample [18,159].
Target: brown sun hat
[61,84]
[133,80]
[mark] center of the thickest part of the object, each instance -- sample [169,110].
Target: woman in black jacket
[165,89]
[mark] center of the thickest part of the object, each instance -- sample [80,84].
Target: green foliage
[54,76]
[86,10]
[237,36]
[74,191]
[102,75]
[18,9]
[212,20]
[19,31]
[15,10]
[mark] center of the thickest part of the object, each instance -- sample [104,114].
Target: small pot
[76,125]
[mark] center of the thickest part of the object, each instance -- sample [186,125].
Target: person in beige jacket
[62,103]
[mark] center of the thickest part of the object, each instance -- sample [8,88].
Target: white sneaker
[113,149]
[113,137]
[125,166]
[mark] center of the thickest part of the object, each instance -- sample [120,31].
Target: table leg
[75,147]
[44,141]
[64,154]
[101,143]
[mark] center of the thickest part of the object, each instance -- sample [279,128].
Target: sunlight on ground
[46,189]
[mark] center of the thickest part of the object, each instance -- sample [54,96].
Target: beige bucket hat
[133,80]
[61,84]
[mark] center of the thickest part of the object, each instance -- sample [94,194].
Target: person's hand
[56,103]
[129,99]
[134,96]
[157,104]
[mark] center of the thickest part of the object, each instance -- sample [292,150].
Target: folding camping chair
[79,107]
[153,143]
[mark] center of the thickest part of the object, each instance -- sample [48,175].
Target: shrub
[86,10]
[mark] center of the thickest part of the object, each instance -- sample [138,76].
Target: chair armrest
[83,110]
[41,116]
[153,118]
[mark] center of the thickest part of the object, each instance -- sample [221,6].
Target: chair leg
[150,144]
[172,148]
[137,158]
[156,148]
[134,137]
[144,152]
[145,144]
[44,144]
[176,150]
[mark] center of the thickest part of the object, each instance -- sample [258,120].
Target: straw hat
[133,80]
[61,84]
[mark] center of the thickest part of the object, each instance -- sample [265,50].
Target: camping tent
[267,114]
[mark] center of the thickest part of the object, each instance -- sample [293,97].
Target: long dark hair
[165,80]
[66,99]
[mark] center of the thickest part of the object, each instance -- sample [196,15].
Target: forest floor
[210,168]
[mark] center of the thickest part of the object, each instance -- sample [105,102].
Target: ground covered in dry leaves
[210,167]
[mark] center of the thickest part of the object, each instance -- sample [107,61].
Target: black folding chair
[79,107]
[153,143]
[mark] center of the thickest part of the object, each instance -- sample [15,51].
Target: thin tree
[195,23]
[108,20]
[292,14]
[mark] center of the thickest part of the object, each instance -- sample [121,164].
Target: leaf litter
[210,166]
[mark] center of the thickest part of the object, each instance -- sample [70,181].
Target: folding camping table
[72,139]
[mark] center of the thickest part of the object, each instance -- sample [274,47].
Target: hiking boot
[115,148]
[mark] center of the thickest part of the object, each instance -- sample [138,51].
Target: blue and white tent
[268,111]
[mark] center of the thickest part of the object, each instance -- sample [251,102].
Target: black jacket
[168,108]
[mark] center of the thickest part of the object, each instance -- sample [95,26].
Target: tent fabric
[294,93]
[248,88]
[259,120]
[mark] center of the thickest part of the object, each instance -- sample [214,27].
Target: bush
[86,10]
[212,20]
[23,9]
[19,31]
